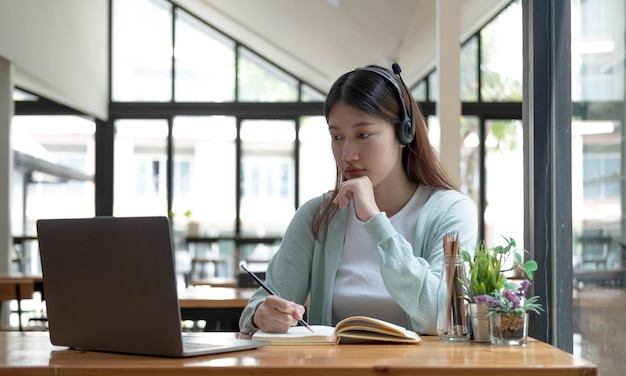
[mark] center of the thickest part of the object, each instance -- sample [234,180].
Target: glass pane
[434,132]
[205,174]
[504,187]
[597,50]
[470,157]
[20,95]
[205,62]
[419,91]
[142,50]
[260,81]
[204,197]
[311,95]
[54,159]
[140,169]
[501,60]
[598,176]
[268,177]
[317,165]
[433,86]
[469,71]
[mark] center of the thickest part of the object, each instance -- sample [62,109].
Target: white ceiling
[318,40]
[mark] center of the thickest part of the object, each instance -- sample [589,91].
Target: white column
[6,163]
[449,100]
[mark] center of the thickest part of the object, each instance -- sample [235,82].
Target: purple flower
[523,287]
[486,299]
[512,297]
[507,300]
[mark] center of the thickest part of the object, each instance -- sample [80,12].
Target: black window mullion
[170,164]
[547,165]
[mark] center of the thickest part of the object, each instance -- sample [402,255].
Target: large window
[268,176]
[204,174]
[205,62]
[598,155]
[490,73]
[501,56]
[53,175]
[317,165]
[140,167]
[142,50]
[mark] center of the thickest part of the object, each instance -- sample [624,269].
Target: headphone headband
[405,128]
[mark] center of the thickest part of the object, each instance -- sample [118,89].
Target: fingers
[361,191]
[277,315]
[343,198]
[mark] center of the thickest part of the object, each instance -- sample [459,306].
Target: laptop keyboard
[191,343]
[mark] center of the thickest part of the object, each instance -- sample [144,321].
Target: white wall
[59,50]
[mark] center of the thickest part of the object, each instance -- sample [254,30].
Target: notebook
[110,285]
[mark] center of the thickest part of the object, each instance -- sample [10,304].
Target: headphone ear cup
[405,131]
[405,128]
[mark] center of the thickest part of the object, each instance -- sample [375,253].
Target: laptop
[110,286]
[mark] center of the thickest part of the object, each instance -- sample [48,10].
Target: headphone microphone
[405,128]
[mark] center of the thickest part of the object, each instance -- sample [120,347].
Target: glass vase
[508,328]
[453,313]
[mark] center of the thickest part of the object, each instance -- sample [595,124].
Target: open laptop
[110,285]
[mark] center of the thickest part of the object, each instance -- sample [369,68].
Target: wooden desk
[600,298]
[30,353]
[600,277]
[202,262]
[215,282]
[220,307]
[16,288]
[12,288]
[237,239]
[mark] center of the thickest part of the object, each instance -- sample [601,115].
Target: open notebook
[355,329]
[110,285]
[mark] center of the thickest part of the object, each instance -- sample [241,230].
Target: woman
[374,245]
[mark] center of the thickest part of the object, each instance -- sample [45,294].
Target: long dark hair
[371,93]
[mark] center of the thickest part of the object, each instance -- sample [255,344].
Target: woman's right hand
[277,315]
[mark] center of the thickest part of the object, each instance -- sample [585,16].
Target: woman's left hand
[362,192]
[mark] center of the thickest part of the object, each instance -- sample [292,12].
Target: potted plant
[508,313]
[487,270]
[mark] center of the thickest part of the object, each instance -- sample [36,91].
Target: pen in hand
[269,291]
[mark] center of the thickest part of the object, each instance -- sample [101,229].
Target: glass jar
[508,328]
[453,312]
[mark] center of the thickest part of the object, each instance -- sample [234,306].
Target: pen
[256,278]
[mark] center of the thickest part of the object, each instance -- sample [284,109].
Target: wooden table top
[215,282]
[599,297]
[9,287]
[30,353]
[215,297]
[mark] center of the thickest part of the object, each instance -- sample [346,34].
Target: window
[205,62]
[317,164]
[140,181]
[501,60]
[469,70]
[599,248]
[204,169]
[260,81]
[268,176]
[142,50]
[53,175]
[504,183]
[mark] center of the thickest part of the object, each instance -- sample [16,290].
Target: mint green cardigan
[305,267]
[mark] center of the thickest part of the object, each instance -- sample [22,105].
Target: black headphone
[405,128]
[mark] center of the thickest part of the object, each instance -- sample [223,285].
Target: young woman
[374,245]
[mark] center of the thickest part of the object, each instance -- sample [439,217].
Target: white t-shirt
[359,287]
